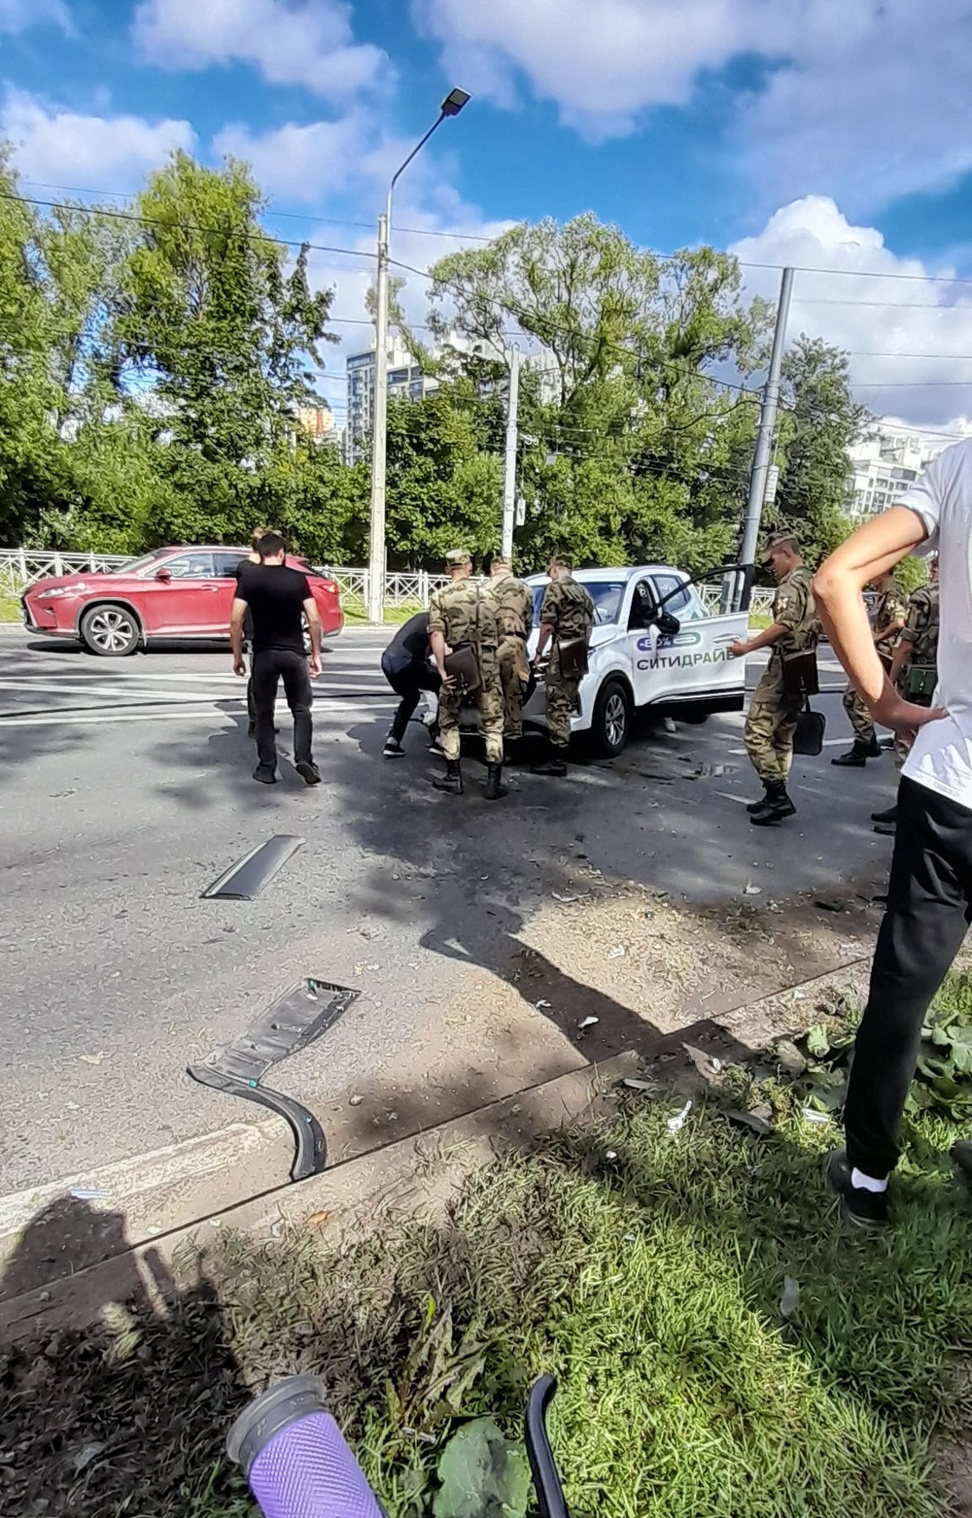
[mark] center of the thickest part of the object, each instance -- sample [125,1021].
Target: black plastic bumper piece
[246,879]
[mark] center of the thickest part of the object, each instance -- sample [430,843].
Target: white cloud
[907,327]
[308,43]
[57,146]
[867,101]
[301,163]
[18,15]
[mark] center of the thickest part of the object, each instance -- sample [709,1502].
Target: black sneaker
[265,775]
[393,749]
[863,1208]
[890,814]
[308,772]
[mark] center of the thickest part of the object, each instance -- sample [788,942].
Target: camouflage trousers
[514,670]
[860,717]
[489,701]
[561,701]
[770,725]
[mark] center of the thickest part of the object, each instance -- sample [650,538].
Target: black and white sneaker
[863,1208]
[393,749]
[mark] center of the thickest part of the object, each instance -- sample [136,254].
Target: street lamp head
[454,102]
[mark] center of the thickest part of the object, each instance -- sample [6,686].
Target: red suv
[169,593]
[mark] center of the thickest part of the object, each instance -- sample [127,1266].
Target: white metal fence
[19,567]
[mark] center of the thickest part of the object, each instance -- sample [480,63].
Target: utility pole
[764,449]
[376,534]
[509,460]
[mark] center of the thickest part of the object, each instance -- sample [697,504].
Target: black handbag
[573,658]
[800,674]
[809,735]
[463,665]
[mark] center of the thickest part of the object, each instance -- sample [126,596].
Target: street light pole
[509,461]
[764,449]
[451,106]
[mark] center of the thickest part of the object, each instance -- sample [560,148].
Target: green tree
[225,339]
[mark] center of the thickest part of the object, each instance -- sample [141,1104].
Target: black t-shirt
[275,595]
[411,640]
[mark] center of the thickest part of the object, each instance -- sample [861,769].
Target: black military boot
[757,806]
[452,779]
[855,758]
[874,749]
[554,761]
[776,806]
[494,790]
[890,815]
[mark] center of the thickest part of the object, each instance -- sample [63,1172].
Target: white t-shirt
[941,758]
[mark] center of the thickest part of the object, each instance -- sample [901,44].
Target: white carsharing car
[653,645]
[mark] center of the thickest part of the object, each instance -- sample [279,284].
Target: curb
[416,1175]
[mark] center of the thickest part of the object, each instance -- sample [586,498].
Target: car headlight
[58,590]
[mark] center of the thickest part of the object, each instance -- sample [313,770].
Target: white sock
[868,1182]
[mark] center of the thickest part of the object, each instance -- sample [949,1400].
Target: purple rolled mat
[295,1457]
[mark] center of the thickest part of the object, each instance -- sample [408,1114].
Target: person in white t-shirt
[930,890]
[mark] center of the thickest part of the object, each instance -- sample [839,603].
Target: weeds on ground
[723,1347]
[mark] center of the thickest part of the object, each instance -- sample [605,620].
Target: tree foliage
[152,367]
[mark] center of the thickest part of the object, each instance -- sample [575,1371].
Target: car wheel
[611,721]
[696,715]
[110,631]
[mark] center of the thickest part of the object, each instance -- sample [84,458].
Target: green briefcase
[463,665]
[809,736]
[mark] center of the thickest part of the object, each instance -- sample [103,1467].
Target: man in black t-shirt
[405,665]
[278,599]
[252,557]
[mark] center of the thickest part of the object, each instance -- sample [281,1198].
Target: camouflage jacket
[793,606]
[513,603]
[463,613]
[921,628]
[889,607]
[568,609]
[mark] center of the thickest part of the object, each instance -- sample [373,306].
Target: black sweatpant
[268,666]
[929,909]
[408,678]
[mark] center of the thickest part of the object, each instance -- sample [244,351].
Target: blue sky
[834,134]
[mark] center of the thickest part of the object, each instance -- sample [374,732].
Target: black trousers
[268,667]
[408,678]
[929,909]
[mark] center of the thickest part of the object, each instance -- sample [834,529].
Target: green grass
[10,609]
[644,1269]
[354,612]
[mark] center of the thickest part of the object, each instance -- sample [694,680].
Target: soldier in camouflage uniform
[773,711]
[887,618]
[513,602]
[914,671]
[460,614]
[567,612]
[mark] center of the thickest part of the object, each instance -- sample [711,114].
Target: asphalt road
[125,790]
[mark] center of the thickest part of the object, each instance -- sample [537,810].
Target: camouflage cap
[781,539]
[458,556]
[500,563]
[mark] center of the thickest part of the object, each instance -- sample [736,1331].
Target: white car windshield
[607,596]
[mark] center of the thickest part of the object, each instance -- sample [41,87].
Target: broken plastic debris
[790,1300]
[92,1059]
[86,1194]
[544,1004]
[610,1154]
[677,1123]
[634,1085]
[585,1022]
[813,1116]
[355,1101]
[617,951]
[752,890]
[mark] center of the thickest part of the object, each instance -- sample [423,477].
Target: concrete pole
[509,461]
[764,448]
[376,541]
